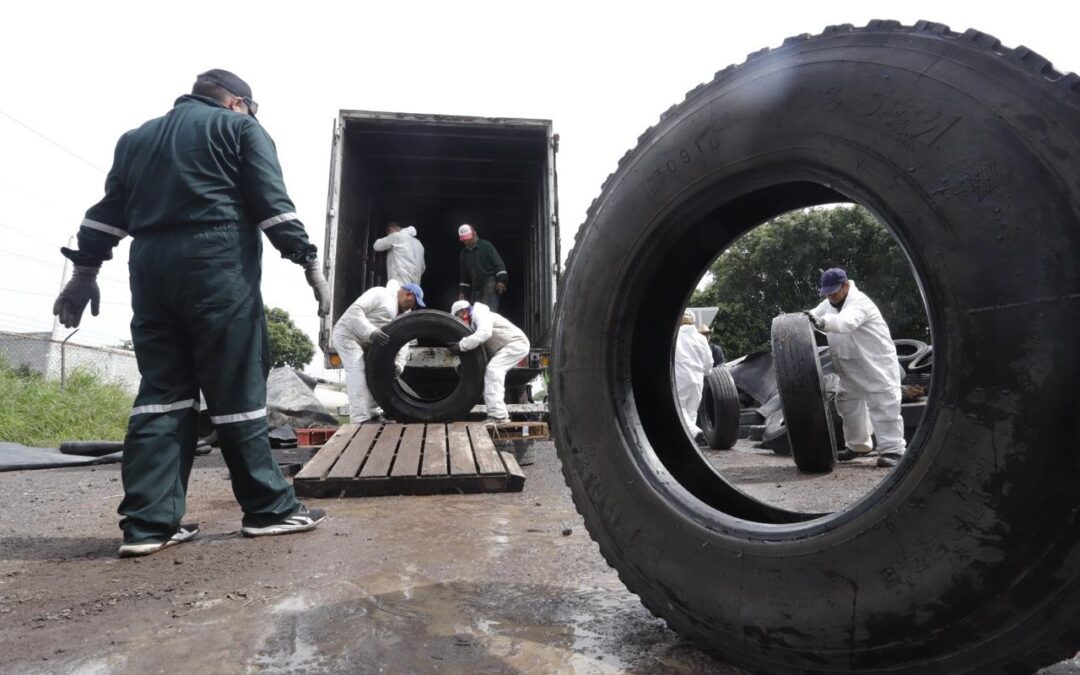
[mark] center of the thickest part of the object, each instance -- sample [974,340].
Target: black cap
[230,82]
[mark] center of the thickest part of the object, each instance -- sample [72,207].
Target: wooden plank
[461,457]
[487,459]
[515,476]
[519,430]
[353,457]
[435,451]
[378,463]
[329,453]
[407,462]
[415,485]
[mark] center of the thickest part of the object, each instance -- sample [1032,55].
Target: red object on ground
[316,436]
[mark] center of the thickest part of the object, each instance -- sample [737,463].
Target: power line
[20,233]
[34,321]
[56,143]
[59,265]
[46,295]
[33,195]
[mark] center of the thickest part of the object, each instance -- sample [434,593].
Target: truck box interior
[436,173]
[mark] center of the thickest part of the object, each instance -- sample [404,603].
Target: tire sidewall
[949,520]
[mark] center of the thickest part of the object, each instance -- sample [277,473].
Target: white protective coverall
[405,257]
[374,309]
[693,359]
[505,343]
[864,356]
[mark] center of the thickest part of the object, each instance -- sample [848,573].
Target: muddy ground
[456,584]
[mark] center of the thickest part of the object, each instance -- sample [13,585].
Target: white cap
[458,306]
[465,232]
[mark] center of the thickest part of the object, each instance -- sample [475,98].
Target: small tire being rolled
[396,401]
[718,415]
[802,397]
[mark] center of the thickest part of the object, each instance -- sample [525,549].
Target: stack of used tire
[917,359]
[966,558]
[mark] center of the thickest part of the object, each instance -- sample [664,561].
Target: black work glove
[379,337]
[814,321]
[82,289]
[455,348]
[317,282]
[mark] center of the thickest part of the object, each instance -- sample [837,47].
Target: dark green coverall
[194,189]
[480,268]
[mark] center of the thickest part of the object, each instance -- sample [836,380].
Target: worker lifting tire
[718,415]
[802,397]
[964,557]
[397,401]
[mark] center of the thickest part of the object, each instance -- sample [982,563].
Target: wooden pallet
[519,431]
[367,460]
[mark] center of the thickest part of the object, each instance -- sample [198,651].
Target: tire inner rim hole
[759,483]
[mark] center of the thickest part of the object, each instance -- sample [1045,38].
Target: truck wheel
[399,403]
[798,379]
[718,415]
[966,556]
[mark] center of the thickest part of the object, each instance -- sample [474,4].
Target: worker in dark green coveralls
[196,189]
[483,276]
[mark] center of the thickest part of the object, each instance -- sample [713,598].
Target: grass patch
[36,412]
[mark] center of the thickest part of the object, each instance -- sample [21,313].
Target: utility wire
[69,151]
[46,295]
[60,265]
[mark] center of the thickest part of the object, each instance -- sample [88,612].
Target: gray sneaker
[186,532]
[300,520]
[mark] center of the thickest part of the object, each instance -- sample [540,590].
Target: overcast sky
[77,75]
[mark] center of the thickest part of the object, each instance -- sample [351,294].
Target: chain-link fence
[58,359]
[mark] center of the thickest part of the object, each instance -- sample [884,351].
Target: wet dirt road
[455,584]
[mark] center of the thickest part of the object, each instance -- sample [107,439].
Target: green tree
[289,346]
[775,268]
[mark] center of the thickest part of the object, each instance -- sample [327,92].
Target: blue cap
[832,279]
[416,291]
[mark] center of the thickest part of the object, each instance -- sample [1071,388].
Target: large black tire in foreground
[718,415]
[966,557]
[798,381]
[401,405]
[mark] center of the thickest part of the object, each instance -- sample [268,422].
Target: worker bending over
[505,343]
[360,327]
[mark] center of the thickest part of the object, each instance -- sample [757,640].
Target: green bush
[35,411]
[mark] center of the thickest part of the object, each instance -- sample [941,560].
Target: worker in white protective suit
[404,254]
[360,327]
[864,356]
[693,360]
[505,344]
